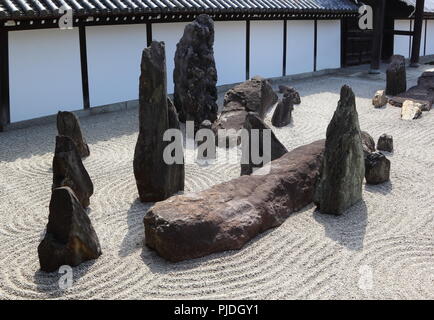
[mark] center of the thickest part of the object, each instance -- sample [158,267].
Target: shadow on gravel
[347,229]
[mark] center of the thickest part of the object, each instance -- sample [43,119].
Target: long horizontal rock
[228,215]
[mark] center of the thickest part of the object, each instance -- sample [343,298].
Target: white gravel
[382,248]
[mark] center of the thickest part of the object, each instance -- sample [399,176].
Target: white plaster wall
[230,51]
[401,44]
[266,48]
[300,46]
[45,73]
[430,37]
[113,58]
[329,44]
[170,33]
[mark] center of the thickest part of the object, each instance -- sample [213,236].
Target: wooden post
[418,22]
[247,49]
[84,71]
[4,80]
[377,44]
[284,47]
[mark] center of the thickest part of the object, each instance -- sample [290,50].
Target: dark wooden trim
[315,43]
[148,33]
[377,41]
[418,21]
[247,49]
[343,42]
[5,114]
[285,35]
[399,32]
[424,40]
[410,37]
[84,69]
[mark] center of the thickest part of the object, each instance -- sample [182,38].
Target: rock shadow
[347,229]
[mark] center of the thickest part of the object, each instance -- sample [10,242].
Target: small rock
[380,99]
[377,168]
[277,149]
[411,110]
[290,91]
[385,143]
[70,238]
[368,143]
[396,78]
[69,125]
[283,112]
[69,171]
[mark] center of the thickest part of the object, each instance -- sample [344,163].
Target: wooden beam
[418,22]
[315,43]
[377,42]
[149,33]
[84,70]
[4,80]
[285,34]
[247,49]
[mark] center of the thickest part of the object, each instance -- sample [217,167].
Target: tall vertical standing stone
[69,171]
[69,125]
[70,238]
[343,169]
[195,73]
[156,180]
[396,79]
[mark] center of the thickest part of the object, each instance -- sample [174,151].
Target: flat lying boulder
[70,238]
[253,95]
[385,143]
[411,110]
[255,148]
[195,74]
[422,93]
[396,77]
[69,171]
[69,125]
[228,215]
[377,168]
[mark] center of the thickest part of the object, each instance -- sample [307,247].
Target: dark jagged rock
[377,168]
[155,179]
[70,238]
[195,74]
[283,112]
[228,215]
[290,91]
[69,171]
[385,143]
[422,93]
[368,143]
[69,125]
[254,95]
[277,149]
[343,168]
[396,78]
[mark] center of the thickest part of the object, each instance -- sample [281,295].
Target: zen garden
[312,186]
